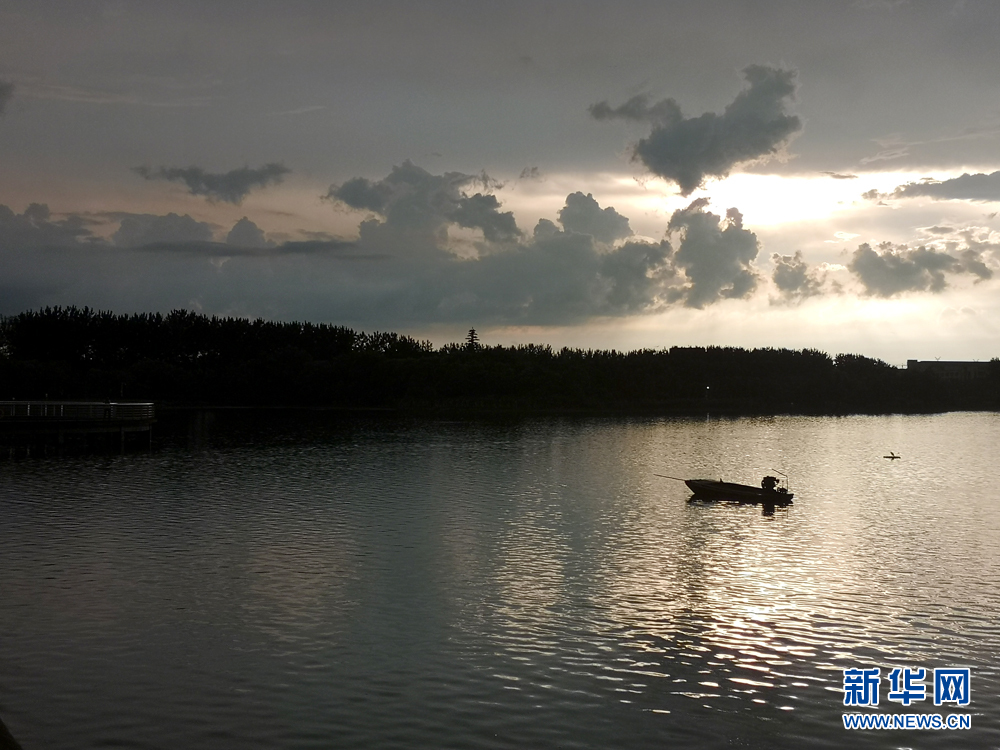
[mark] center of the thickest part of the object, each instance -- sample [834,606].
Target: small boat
[768,493]
[892,456]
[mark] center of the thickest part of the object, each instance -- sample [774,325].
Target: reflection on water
[431,584]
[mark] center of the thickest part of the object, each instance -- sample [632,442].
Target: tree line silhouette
[188,358]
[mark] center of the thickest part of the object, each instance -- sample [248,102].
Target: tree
[472,339]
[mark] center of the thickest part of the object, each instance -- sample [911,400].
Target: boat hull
[710,489]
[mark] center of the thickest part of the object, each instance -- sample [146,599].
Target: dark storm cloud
[661,114]
[561,277]
[716,255]
[412,199]
[582,214]
[167,262]
[225,251]
[400,268]
[137,230]
[35,228]
[891,270]
[641,274]
[555,276]
[6,94]
[362,194]
[687,150]
[483,212]
[971,187]
[230,187]
[794,279]
[184,235]
[331,248]
[247,234]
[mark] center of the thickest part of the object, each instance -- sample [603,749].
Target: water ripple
[532,584]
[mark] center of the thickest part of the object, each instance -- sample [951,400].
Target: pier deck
[41,422]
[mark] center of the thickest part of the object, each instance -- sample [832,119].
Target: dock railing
[77,410]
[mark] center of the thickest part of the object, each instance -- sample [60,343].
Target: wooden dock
[40,424]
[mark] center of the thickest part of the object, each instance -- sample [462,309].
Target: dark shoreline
[183,360]
[486,412]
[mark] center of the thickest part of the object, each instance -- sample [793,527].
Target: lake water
[352,583]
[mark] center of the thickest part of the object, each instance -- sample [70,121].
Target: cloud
[887,154]
[555,278]
[793,278]
[891,147]
[891,270]
[875,197]
[556,275]
[971,261]
[408,267]
[412,199]
[839,176]
[362,194]
[402,268]
[35,228]
[661,114]
[230,187]
[174,234]
[247,234]
[6,94]
[716,255]
[952,314]
[483,212]
[641,276]
[137,230]
[979,244]
[971,187]
[330,248]
[531,173]
[582,214]
[895,146]
[754,127]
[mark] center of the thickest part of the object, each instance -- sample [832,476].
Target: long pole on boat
[784,475]
[664,476]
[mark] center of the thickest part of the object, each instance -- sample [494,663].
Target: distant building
[952,370]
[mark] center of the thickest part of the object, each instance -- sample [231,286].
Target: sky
[597,175]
